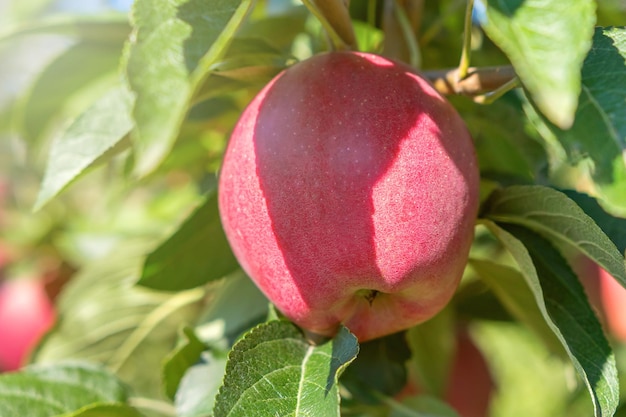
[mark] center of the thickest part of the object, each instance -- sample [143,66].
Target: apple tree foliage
[112,128]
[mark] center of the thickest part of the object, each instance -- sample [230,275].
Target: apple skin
[613,297]
[605,294]
[26,313]
[349,192]
[470,385]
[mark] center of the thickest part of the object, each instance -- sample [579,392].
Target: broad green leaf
[63,388]
[613,227]
[513,291]
[180,360]
[504,149]
[380,367]
[238,306]
[552,214]
[251,60]
[368,37]
[76,69]
[523,367]
[199,386]
[274,370]
[596,143]
[105,410]
[195,254]
[546,41]
[105,318]
[564,305]
[173,46]
[432,346]
[96,133]
[280,27]
[421,406]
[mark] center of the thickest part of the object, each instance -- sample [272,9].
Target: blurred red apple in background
[26,313]
[349,192]
[606,295]
[469,386]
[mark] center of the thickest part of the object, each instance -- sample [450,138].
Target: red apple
[26,313]
[613,299]
[348,193]
[606,295]
[470,385]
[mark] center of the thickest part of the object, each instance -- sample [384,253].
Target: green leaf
[195,254]
[523,368]
[105,318]
[105,410]
[504,149]
[432,345]
[380,367]
[60,389]
[613,227]
[173,47]
[597,141]
[564,305]
[238,305]
[180,360]
[274,370]
[421,406]
[559,219]
[513,292]
[80,66]
[94,135]
[251,60]
[546,41]
[199,386]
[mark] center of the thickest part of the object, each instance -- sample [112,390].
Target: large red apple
[348,193]
[26,313]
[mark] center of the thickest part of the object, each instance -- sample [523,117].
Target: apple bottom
[368,314]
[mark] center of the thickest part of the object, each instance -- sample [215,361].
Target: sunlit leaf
[547,41]
[565,308]
[173,47]
[105,318]
[596,143]
[552,214]
[195,254]
[98,131]
[180,360]
[73,71]
[65,388]
[275,370]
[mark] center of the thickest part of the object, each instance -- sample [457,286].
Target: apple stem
[335,18]
[415,56]
[371,295]
[464,64]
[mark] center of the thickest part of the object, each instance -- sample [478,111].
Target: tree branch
[478,81]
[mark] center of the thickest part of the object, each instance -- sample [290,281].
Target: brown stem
[401,23]
[478,81]
[335,17]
